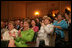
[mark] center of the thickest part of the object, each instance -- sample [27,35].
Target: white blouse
[6,35]
[44,30]
[49,28]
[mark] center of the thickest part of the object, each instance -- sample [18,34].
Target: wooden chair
[52,39]
[4,43]
[66,34]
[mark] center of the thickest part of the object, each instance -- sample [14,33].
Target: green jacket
[26,37]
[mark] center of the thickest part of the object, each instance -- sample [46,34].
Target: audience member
[25,36]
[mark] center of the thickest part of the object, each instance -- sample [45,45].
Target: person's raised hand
[42,24]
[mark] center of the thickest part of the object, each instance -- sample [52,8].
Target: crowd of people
[18,32]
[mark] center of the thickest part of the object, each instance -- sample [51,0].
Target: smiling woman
[11,34]
[26,36]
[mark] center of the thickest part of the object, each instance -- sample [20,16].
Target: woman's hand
[42,24]
[57,27]
[10,34]
[1,37]
[69,20]
[19,32]
[54,26]
[14,34]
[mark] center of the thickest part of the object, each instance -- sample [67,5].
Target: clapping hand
[42,24]
[19,32]
[69,20]
[13,34]
[54,26]
[10,34]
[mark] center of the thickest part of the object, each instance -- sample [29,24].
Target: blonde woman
[11,34]
[46,28]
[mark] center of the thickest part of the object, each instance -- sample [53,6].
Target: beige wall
[17,10]
[11,10]
[4,10]
[42,7]
[46,7]
[20,9]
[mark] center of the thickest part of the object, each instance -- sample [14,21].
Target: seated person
[38,23]
[34,27]
[11,34]
[17,24]
[25,36]
[3,29]
[21,25]
[46,28]
[59,26]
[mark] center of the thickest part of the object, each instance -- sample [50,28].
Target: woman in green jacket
[24,36]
